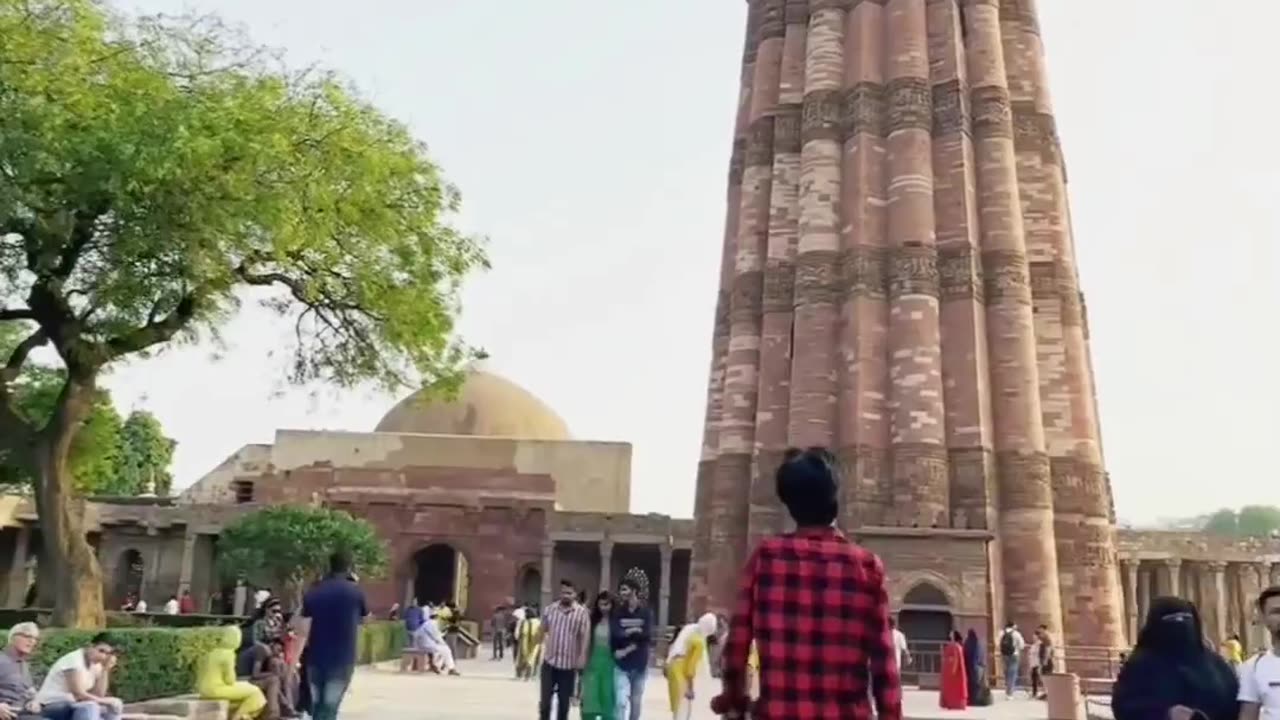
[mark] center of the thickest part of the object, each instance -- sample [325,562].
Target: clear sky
[590,140]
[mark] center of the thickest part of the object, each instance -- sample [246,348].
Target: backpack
[1007,648]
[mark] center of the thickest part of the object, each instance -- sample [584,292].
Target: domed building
[482,498]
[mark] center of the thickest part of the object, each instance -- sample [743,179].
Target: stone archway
[440,573]
[529,586]
[127,582]
[926,614]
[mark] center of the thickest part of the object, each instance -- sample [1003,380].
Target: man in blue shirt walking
[335,608]
[631,634]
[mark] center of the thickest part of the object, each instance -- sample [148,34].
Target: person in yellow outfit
[753,670]
[1233,650]
[528,647]
[216,679]
[684,660]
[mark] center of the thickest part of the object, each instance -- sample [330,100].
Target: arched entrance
[529,586]
[128,577]
[925,618]
[440,574]
[926,614]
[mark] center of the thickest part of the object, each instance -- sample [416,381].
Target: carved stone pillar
[548,558]
[664,587]
[18,568]
[606,564]
[1173,573]
[1217,572]
[1144,592]
[188,560]
[1274,575]
[1131,600]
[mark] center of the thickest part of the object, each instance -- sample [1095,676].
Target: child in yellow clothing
[684,659]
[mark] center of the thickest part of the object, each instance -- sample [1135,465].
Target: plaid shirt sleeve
[737,646]
[886,682]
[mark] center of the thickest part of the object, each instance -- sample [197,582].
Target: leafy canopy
[153,169]
[109,455]
[288,546]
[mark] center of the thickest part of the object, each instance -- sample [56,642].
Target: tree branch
[16,314]
[19,356]
[154,332]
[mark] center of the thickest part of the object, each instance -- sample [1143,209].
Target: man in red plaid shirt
[816,607]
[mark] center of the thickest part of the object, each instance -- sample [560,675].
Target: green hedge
[12,616]
[160,662]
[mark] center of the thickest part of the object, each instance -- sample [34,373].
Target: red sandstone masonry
[863,439]
[766,515]
[931,213]
[1087,564]
[1028,558]
[921,489]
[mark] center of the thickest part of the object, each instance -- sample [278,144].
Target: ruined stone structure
[899,284]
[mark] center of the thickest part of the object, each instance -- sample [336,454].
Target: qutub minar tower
[899,284]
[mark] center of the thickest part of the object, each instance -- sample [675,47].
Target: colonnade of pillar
[1225,593]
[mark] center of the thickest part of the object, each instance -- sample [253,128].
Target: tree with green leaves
[154,174]
[287,547]
[109,456]
[144,456]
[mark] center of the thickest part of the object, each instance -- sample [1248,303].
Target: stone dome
[487,405]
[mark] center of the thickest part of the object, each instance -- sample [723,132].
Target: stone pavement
[487,691]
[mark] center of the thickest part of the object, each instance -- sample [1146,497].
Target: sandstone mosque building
[898,284]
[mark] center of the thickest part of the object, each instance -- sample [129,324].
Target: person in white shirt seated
[171,607]
[429,639]
[75,688]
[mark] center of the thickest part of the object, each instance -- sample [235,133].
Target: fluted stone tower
[899,284]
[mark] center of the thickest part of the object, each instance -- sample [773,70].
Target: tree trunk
[76,575]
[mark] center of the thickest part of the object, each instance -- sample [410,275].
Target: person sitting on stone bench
[17,695]
[216,679]
[75,688]
[269,671]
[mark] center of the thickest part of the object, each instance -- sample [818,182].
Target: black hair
[340,562]
[596,615]
[566,582]
[1265,595]
[103,638]
[632,584]
[808,483]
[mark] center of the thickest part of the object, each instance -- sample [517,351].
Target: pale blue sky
[590,140]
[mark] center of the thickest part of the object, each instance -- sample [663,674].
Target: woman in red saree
[954,693]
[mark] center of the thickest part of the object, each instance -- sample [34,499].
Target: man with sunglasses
[76,686]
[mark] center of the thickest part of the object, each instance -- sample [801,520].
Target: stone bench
[183,707]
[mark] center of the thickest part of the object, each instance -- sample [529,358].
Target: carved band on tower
[899,284]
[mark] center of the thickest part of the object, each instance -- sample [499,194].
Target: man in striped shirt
[566,629]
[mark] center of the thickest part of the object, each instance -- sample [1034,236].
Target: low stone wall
[184,707]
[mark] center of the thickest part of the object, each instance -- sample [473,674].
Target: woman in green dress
[597,678]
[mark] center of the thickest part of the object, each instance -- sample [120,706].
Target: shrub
[153,662]
[161,662]
[379,641]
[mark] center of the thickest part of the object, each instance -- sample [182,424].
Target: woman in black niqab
[1172,674]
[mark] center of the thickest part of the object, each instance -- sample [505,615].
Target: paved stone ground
[487,691]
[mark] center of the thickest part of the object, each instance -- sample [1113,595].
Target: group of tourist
[175,605]
[266,676]
[76,686]
[599,657]
[1018,659]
